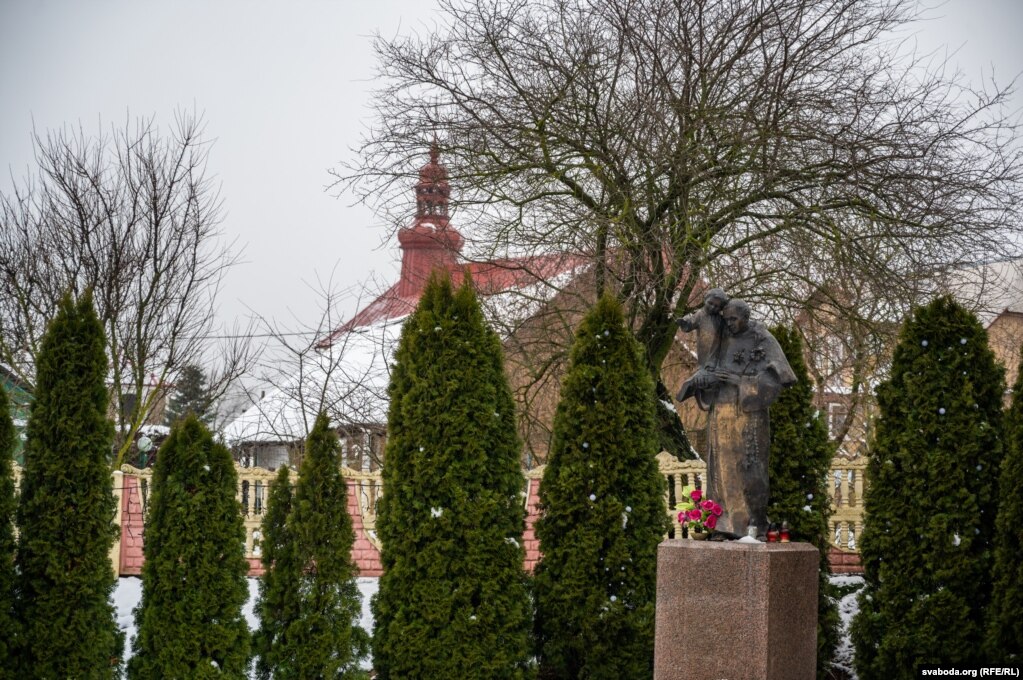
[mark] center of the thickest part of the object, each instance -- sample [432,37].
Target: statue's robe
[738,429]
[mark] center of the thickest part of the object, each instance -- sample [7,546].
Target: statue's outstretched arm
[688,323]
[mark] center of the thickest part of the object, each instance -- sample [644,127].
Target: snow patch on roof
[508,309]
[349,373]
[348,379]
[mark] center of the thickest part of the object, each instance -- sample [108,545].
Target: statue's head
[715,300]
[736,316]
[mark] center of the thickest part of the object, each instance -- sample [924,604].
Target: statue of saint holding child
[742,370]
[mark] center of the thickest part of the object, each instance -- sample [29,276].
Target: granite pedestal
[736,611]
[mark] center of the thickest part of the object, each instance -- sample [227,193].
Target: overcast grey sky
[284,90]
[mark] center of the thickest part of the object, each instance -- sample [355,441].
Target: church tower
[430,243]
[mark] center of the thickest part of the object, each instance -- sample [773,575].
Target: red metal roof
[489,278]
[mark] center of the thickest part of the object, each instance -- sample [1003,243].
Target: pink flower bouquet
[696,513]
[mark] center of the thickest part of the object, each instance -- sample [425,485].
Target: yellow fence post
[115,549]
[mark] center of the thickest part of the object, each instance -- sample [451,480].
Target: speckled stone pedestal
[736,611]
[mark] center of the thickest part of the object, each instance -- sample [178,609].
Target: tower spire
[430,243]
[433,192]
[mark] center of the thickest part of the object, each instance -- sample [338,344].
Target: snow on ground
[847,609]
[128,592]
[126,595]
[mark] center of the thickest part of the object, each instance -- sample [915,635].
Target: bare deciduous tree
[330,366]
[764,145]
[133,216]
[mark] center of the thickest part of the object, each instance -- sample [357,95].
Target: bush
[799,463]
[453,601]
[603,511]
[1005,632]
[930,503]
[277,605]
[8,507]
[67,506]
[194,583]
[324,640]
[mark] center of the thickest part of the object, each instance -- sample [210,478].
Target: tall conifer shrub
[191,395]
[194,585]
[66,510]
[277,606]
[277,603]
[930,502]
[603,511]
[453,601]
[1005,633]
[800,459]
[325,640]
[8,507]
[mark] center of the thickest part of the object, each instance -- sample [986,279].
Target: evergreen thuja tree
[66,511]
[1005,616]
[189,621]
[324,641]
[191,395]
[799,462]
[277,605]
[930,502]
[453,600]
[8,507]
[603,511]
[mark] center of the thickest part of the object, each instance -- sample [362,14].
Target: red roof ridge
[489,277]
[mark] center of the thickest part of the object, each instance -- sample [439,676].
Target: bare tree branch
[133,216]
[764,145]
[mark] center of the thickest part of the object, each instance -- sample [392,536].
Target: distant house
[125,399]
[992,290]
[20,396]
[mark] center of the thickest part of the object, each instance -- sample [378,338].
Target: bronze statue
[737,385]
